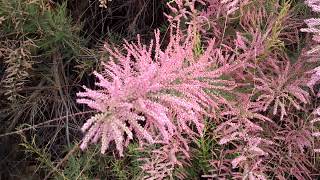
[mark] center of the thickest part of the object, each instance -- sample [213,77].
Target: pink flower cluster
[148,92]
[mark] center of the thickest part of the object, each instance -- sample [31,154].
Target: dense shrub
[228,91]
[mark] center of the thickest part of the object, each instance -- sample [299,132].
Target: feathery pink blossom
[280,88]
[163,89]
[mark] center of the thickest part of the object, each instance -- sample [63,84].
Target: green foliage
[40,47]
[37,31]
[85,165]
[34,20]
[41,155]
[91,164]
[203,152]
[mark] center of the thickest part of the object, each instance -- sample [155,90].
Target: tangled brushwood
[221,89]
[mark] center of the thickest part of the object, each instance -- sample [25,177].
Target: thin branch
[44,123]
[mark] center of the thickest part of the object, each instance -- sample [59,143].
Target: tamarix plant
[154,94]
[222,66]
[314,27]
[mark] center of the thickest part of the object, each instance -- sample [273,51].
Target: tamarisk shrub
[314,28]
[243,132]
[147,92]
[160,96]
[281,86]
